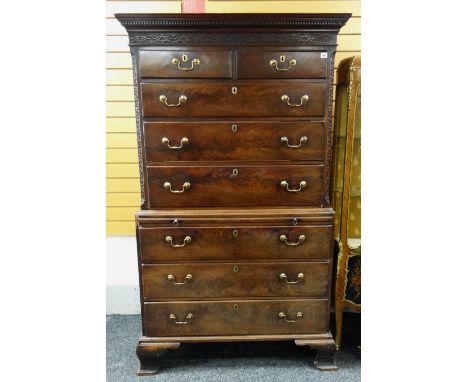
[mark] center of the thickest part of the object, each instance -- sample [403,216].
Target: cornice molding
[142,21]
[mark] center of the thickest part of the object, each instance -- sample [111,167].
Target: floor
[260,361]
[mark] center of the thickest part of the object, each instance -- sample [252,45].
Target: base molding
[149,349]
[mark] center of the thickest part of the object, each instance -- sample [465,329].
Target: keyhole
[235,172]
[236,307]
[184,57]
[235,268]
[175,222]
[282,58]
[234,128]
[235,233]
[234,90]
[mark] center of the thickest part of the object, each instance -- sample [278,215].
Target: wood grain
[235,242]
[216,99]
[220,318]
[216,185]
[249,141]
[212,64]
[234,280]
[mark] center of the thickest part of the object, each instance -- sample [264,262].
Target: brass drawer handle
[188,278]
[187,239]
[304,99]
[183,141]
[284,239]
[173,317]
[176,61]
[168,185]
[285,184]
[301,141]
[274,63]
[300,278]
[283,316]
[182,100]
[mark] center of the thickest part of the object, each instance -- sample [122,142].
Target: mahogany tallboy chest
[234,128]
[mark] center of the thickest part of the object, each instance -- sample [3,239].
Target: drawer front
[185,64]
[235,186]
[274,64]
[226,280]
[220,141]
[236,317]
[224,99]
[244,242]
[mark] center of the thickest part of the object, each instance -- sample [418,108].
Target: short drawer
[234,242]
[308,316]
[185,64]
[222,141]
[277,64]
[233,99]
[226,280]
[235,186]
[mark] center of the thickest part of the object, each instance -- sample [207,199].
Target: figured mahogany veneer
[233,99]
[235,242]
[234,141]
[287,64]
[234,137]
[160,64]
[234,280]
[236,317]
[223,186]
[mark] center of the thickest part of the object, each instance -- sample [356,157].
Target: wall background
[122,179]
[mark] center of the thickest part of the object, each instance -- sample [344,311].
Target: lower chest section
[223,272]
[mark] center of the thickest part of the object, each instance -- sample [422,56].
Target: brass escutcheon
[234,90]
[234,128]
[235,232]
[282,59]
[176,61]
[235,172]
[236,307]
[235,268]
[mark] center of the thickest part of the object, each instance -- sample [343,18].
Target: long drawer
[235,186]
[233,99]
[307,316]
[222,141]
[234,242]
[226,280]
